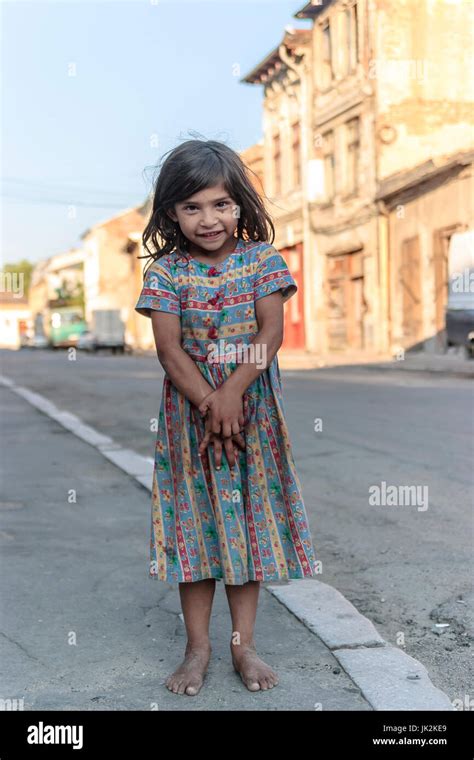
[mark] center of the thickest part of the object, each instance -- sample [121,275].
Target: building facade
[113,273]
[355,109]
[284,73]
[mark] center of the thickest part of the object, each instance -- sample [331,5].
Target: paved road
[83,626]
[404,567]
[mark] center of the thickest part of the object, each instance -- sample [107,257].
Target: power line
[58,202]
[41,184]
[44,193]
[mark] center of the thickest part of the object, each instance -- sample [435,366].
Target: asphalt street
[406,567]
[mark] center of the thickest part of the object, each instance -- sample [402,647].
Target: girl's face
[211,210]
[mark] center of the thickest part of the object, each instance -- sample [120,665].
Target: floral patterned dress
[233,524]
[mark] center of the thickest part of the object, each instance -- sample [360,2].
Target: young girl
[227,502]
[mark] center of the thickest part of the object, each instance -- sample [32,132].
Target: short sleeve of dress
[273,274]
[158,292]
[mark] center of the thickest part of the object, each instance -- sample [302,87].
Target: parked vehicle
[36,341]
[66,326]
[460,329]
[460,307]
[86,341]
[107,331]
[40,341]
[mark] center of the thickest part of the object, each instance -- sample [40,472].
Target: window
[276,164]
[295,146]
[350,42]
[326,56]
[328,159]
[355,47]
[352,155]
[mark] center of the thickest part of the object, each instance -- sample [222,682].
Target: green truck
[67,324]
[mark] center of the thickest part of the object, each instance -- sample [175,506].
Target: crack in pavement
[24,650]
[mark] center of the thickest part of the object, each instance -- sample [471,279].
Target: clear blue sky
[143,68]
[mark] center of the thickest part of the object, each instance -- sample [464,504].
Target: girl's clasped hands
[224,422]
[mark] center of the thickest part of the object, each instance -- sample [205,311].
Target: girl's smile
[211,235]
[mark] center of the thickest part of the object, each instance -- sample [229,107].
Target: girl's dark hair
[194,166]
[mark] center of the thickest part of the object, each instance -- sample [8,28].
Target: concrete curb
[433,364]
[135,465]
[466,373]
[388,678]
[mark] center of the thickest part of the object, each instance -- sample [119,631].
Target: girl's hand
[226,411]
[230,444]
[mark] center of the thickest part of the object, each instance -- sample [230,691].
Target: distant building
[253,159]
[15,319]
[56,285]
[113,275]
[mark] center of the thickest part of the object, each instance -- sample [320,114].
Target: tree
[24,267]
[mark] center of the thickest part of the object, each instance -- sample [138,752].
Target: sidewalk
[452,363]
[84,627]
[81,570]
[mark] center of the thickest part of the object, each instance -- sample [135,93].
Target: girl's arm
[186,377]
[177,364]
[225,403]
[269,313]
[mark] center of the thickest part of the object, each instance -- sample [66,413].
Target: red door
[294,338]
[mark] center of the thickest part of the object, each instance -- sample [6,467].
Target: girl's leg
[243,601]
[196,603]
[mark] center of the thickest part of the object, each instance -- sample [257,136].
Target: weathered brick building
[367,132]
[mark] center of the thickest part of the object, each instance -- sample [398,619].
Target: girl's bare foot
[254,672]
[189,676]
